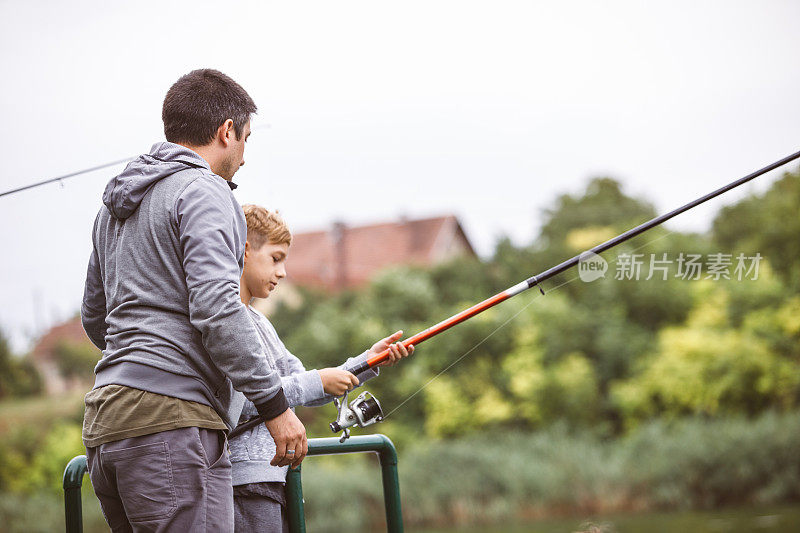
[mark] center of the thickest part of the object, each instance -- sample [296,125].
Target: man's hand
[289,435]
[396,351]
[336,381]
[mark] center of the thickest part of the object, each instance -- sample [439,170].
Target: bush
[692,463]
[707,367]
[43,512]
[18,376]
[76,359]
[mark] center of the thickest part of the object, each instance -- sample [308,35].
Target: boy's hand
[336,381]
[396,351]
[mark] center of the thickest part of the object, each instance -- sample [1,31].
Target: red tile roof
[350,256]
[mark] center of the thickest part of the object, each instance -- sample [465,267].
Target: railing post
[391,486]
[73,479]
[387,455]
[294,500]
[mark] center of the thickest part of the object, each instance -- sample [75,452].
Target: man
[162,302]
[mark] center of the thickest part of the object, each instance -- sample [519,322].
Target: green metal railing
[363,443]
[73,479]
[380,444]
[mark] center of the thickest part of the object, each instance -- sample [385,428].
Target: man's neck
[208,153]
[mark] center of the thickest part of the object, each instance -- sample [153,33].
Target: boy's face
[264,267]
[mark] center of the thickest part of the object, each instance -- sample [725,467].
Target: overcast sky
[372,110]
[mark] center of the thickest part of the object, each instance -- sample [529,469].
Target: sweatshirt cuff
[274,406]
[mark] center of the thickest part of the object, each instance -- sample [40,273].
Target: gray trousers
[260,508]
[177,480]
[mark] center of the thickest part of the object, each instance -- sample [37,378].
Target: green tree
[76,359]
[585,353]
[18,376]
[603,204]
[546,387]
[62,443]
[707,367]
[767,224]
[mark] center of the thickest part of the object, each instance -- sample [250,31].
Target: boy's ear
[246,250]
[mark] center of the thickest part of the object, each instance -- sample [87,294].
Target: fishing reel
[362,412]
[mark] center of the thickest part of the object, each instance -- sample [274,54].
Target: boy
[258,490]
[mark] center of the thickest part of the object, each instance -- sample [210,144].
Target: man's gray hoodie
[162,288]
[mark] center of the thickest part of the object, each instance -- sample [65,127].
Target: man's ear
[226,133]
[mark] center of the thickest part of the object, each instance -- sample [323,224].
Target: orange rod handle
[444,325]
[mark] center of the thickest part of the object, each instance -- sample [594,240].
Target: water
[741,520]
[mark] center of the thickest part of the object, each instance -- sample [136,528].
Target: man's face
[235,153]
[264,268]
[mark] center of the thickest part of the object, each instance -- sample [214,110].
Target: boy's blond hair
[265,226]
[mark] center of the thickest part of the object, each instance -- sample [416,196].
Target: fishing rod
[363,412]
[60,179]
[566,265]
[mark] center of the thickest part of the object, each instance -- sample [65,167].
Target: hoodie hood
[125,192]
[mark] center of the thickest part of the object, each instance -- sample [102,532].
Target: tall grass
[686,464]
[509,477]
[43,512]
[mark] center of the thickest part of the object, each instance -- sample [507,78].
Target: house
[64,356]
[348,257]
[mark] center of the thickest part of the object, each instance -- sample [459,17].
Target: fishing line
[536,280]
[346,411]
[59,179]
[454,363]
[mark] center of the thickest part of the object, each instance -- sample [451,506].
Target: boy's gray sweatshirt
[162,287]
[252,451]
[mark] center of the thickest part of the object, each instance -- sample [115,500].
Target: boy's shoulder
[261,319]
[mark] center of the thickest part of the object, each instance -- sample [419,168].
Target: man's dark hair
[199,102]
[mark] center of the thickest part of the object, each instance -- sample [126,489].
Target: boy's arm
[306,385]
[93,307]
[300,385]
[397,351]
[363,377]
[209,226]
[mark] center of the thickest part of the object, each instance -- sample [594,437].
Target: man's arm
[209,236]
[93,308]
[212,228]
